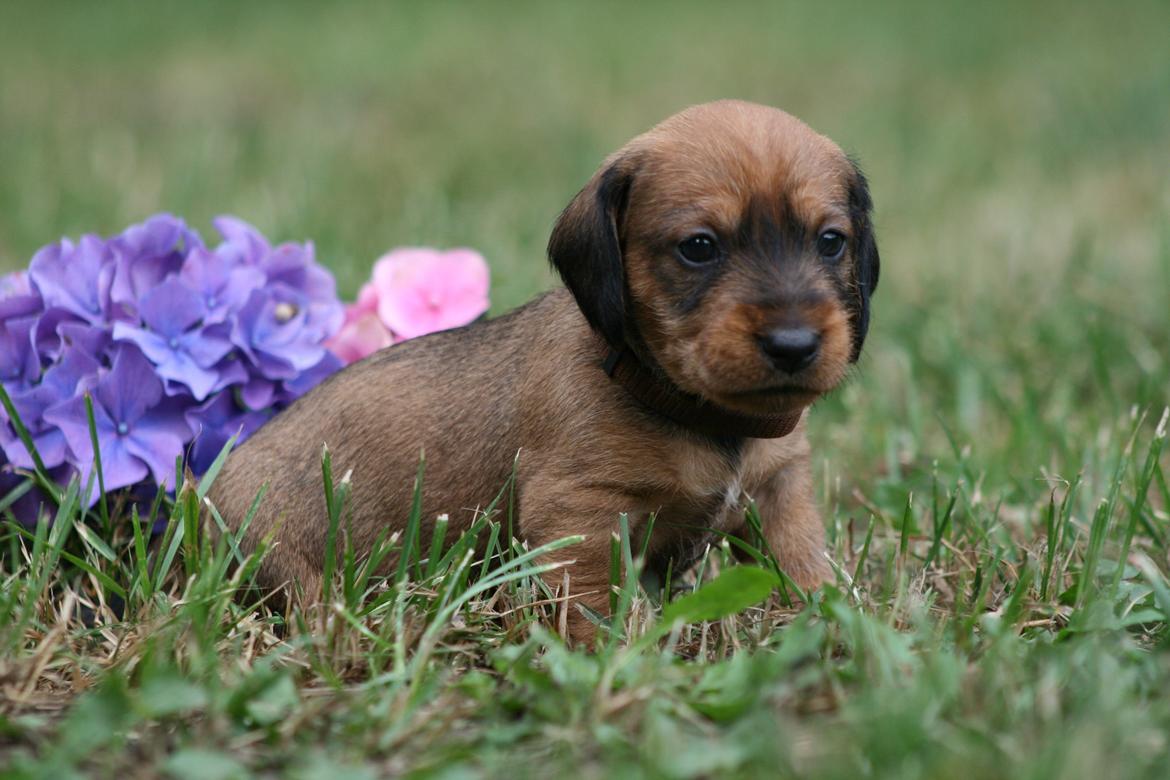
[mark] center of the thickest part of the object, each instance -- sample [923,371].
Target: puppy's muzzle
[790,349]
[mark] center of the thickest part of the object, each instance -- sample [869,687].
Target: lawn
[994,477]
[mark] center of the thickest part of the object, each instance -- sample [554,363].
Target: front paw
[811,574]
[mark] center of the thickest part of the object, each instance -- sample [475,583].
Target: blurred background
[1019,155]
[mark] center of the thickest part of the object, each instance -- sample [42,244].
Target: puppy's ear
[865,254]
[585,249]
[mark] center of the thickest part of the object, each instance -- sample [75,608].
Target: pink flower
[421,291]
[414,291]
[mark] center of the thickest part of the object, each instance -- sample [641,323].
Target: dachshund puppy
[718,269]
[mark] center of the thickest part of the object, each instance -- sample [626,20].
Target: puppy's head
[734,245]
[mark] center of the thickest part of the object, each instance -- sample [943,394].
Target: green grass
[995,480]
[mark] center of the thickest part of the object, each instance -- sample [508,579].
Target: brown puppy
[719,269]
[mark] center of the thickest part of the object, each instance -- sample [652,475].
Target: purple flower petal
[171,361]
[243,240]
[158,438]
[57,330]
[50,445]
[119,466]
[70,416]
[34,503]
[17,297]
[232,371]
[19,363]
[258,394]
[206,271]
[76,364]
[187,359]
[220,280]
[129,388]
[310,378]
[59,384]
[48,441]
[135,432]
[14,284]
[21,306]
[209,345]
[146,254]
[294,265]
[167,418]
[160,235]
[47,337]
[75,278]
[170,308]
[271,330]
[214,423]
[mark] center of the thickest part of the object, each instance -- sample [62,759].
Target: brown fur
[531,382]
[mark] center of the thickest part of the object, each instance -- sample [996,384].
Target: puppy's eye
[830,244]
[699,249]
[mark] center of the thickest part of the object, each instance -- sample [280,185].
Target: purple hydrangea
[178,345]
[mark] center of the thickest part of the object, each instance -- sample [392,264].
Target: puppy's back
[450,395]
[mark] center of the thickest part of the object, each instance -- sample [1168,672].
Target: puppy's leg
[304,594]
[552,511]
[291,578]
[792,525]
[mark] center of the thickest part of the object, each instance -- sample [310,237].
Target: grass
[995,478]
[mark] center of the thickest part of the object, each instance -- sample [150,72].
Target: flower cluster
[178,345]
[413,291]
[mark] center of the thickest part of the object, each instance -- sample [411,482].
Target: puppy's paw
[811,574]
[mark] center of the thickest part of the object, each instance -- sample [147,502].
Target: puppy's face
[733,244]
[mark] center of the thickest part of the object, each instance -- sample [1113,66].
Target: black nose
[791,349]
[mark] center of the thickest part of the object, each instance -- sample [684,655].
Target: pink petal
[466,295]
[367,303]
[355,311]
[423,290]
[360,338]
[396,261]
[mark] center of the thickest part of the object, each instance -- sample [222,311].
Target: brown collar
[690,411]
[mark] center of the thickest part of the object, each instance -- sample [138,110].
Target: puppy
[718,269]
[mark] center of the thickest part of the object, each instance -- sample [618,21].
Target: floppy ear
[586,250]
[865,254]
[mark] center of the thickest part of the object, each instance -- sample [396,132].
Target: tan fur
[530,384]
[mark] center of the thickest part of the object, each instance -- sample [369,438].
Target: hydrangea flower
[145,256]
[414,291]
[220,279]
[173,336]
[19,364]
[75,278]
[140,431]
[60,381]
[178,344]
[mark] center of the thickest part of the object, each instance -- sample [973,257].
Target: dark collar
[664,397]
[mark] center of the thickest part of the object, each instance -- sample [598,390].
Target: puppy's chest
[701,489]
[692,498]
[707,497]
